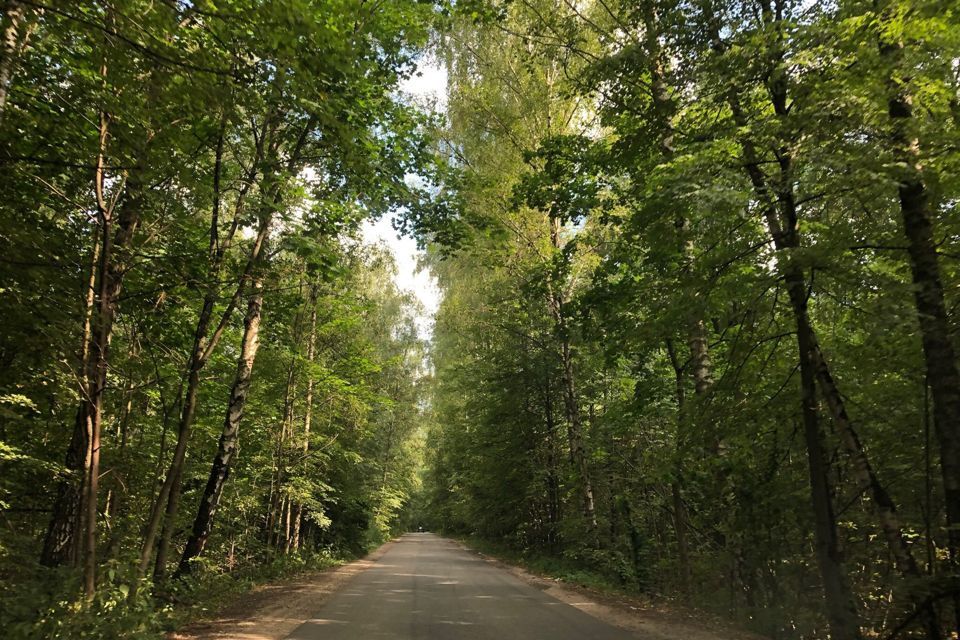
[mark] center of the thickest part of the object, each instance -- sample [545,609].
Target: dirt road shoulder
[272,611]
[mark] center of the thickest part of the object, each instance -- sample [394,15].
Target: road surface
[427,587]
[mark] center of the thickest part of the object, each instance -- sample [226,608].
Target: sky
[409,276]
[430,90]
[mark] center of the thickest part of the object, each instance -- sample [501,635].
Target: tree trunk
[293,542]
[842,615]
[784,231]
[287,511]
[111,272]
[865,477]
[60,546]
[112,266]
[116,497]
[170,491]
[277,503]
[226,447]
[786,239]
[942,373]
[575,433]
[553,467]
[13,41]
[570,400]
[679,507]
[665,108]
[841,605]
[227,444]
[203,347]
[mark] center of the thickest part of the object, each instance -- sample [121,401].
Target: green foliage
[627,161]
[50,608]
[183,151]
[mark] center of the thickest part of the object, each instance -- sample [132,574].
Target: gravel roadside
[272,611]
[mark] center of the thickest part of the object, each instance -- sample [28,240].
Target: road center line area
[426,586]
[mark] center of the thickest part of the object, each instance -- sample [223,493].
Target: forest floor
[273,611]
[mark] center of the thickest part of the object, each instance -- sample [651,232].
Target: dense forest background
[698,333]
[207,378]
[701,338]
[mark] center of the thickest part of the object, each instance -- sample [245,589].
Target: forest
[697,336]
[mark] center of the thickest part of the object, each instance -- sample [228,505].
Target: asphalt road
[427,587]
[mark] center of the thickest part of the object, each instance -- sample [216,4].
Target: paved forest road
[427,587]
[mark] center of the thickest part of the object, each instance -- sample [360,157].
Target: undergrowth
[569,568]
[49,605]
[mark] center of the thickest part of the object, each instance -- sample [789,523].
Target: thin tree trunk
[842,615]
[868,482]
[97,365]
[570,400]
[294,543]
[117,496]
[287,514]
[170,492]
[278,501]
[203,347]
[271,501]
[841,606]
[575,428]
[112,269]
[553,472]
[294,539]
[680,528]
[865,477]
[13,41]
[665,108]
[679,507]
[124,213]
[61,544]
[226,447]
[286,435]
[785,236]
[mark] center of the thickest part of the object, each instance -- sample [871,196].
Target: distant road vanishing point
[427,587]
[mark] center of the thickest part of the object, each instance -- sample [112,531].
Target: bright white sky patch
[428,90]
[409,277]
[428,87]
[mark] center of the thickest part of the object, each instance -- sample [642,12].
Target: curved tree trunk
[226,447]
[842,615]
[204,345]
